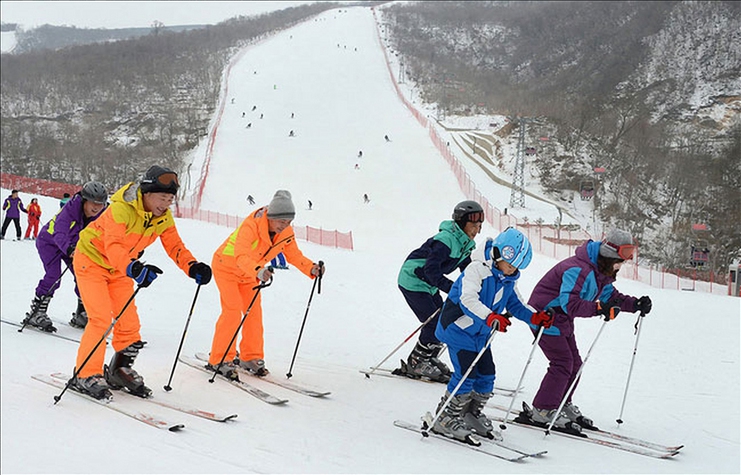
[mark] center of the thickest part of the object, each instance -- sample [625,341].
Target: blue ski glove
[200,272]
[143,274]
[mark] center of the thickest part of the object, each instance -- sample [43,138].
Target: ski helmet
[466,211]
[514,248]
[159,179]
[94,191]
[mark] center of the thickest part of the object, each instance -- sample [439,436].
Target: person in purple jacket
[56,244]
[13,207]
[579,286]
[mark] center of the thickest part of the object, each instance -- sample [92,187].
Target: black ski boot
[119,373]
[437,348]
[95,386]
[79,318]
[37,317]
[423,363]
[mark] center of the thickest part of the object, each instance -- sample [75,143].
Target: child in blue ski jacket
[480,298]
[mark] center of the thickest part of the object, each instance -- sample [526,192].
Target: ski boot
[119,374]
[450,423]
[477,420]
[37,317]
[437,348]
[227,369]
[256,366]
[79,318]
[543,418]
[575,415]
[422,363]
[94,386]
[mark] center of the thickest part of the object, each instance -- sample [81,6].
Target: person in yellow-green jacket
[240,264]
[107,265]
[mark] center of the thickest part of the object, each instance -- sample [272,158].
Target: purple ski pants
[564,359]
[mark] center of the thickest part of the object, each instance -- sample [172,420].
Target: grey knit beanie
[281,207]
[616,237]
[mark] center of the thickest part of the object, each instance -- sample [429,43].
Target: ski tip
[176,428]
[231,417]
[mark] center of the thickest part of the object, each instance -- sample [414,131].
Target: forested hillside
[650,91]
[105,111]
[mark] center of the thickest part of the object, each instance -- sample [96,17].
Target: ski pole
[374,368]
[318,281]
[58,397]
[522,376]
[460,383]
[51,289]
[182,339]
[632,360]
[258,287]
[576,379]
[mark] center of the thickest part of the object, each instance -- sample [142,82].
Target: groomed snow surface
[331,74]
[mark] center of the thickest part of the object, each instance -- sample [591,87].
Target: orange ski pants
[104,295]
[236,294]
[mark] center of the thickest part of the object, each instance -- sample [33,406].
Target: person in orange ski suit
[106,261]
[34,216]
[240,264]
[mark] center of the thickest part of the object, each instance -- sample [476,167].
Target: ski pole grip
[319,284]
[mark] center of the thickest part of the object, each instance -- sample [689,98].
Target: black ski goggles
[475,217]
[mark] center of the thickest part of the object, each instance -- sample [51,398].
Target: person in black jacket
[423,276]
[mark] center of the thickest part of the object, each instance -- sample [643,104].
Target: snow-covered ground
[685,383]
[7,41]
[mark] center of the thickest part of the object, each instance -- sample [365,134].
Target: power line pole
[517,197]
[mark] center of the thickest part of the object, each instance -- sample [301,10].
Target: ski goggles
[625,251]
[475,217]
[166,179]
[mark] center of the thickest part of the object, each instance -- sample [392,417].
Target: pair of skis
[596,436]
[390,373]
[201,359]
[127,405]
[492,448]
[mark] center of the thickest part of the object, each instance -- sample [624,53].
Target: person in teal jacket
[423,276]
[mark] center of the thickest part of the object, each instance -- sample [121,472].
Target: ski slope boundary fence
[54,189]
[558,242]
[323,237]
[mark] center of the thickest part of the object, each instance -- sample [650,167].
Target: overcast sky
[124,14]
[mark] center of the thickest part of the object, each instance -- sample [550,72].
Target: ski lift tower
[517,197]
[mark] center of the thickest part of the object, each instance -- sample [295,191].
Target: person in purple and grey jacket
[56,244]
[579,286]
[13,207]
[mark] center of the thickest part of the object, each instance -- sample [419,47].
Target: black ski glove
[200,272]
[610,309]
[643,305]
